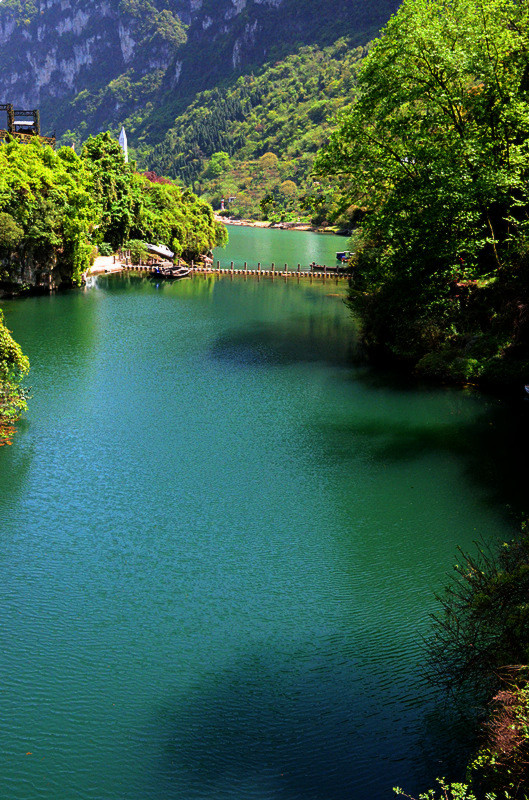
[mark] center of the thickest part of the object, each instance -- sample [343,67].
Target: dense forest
[434,151]
[56,208]
[14,366]
[255,141]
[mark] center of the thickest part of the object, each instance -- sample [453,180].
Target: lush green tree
[218,164]
[436,150]
[176,218]
[14,366]
[44,193]
[11,234]
[138,251]
[289,188]
[112,186]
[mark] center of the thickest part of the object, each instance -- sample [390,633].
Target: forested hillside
[256,140]
[56,208]
[435,151]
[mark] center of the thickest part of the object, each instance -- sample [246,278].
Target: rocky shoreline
[284,226]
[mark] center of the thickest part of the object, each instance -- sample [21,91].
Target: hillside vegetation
[256,140]
[89,65]
[435,151]
[56,208]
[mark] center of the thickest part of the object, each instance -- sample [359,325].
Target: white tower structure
[123,144]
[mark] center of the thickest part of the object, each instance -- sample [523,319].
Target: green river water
[220,542]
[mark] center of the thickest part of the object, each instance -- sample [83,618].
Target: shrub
[138,251]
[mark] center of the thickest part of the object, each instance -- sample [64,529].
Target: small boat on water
[171,272]
[343,256]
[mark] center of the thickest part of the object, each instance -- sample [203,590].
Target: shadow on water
[311,728]
[306,339]
[15,463]
[491,446]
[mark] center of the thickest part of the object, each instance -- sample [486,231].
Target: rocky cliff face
[56,49]
[92,63]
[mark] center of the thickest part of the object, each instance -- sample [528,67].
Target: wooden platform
[271,272]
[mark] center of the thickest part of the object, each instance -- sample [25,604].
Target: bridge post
[246,268]
[273,268]
[232,268]
[218,267]
[324,271]
[259,269]
[286,270]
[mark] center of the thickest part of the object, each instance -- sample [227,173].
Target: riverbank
[105,264]
[285,226]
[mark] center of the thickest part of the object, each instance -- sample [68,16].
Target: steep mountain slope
[92,63]
[55,50]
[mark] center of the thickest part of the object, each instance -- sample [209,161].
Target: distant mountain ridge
[90,64]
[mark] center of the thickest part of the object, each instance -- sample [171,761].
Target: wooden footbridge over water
[322,272]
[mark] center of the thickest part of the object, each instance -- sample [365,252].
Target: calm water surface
[267,245]
[220,543]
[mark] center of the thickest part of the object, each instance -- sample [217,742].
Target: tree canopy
[56,207]
[435,150]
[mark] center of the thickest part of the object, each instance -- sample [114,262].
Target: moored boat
[171,272]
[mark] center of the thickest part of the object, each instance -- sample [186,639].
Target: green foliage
[105,249]
[112,186]
[56,206]
[14,366]
[483,624]
[174,217]
[435,150]
[451,366]
[260,132]
[218,164]
[10,233]
[446,791]
[138,251]
[45,195]
[479,648]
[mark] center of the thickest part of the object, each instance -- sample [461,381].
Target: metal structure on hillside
[23,124]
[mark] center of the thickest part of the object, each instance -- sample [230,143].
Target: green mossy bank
[14,366]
